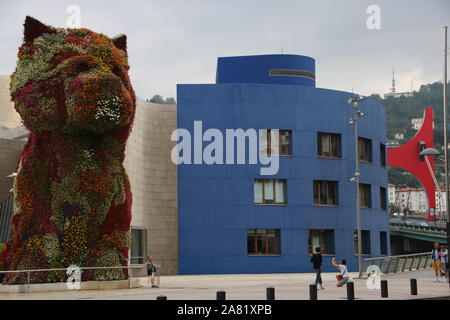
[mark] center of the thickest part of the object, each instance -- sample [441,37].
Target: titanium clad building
[232,219]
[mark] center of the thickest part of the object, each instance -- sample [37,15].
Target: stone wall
[153,179]
[9,159]
[9,118]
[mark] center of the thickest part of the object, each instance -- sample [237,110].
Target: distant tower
[393,81]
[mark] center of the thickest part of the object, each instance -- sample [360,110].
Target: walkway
[253,286]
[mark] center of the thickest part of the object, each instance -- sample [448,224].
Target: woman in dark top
[151,270]
[316,260]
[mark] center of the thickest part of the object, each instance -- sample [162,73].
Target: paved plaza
[253,286]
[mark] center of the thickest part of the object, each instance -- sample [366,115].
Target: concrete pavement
[253,286]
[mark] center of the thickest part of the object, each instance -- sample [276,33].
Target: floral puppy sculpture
[72,195]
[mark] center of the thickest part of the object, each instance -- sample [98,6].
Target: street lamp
[354,121]
[429,152]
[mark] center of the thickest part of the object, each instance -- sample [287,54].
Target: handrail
[405,225]
[422,229]
[81,268]
[398,256]
[29,271]
[396,264]
[62,269]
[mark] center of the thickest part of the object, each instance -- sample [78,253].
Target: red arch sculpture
[407,157]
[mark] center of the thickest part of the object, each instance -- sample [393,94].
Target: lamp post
[445,135]
[354,121]
[434,153]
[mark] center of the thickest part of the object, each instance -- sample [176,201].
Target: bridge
[420,230]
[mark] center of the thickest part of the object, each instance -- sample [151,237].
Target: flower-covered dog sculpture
[72,195]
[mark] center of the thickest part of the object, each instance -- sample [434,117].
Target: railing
[28,272]
[418,228]
[396,264]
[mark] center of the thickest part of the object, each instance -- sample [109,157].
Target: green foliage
[109,257]
[72,91]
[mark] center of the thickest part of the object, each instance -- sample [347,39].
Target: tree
[157,99]
[170,101]
[160,100]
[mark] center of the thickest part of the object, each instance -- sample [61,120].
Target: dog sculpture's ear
[120,42]
[34,28]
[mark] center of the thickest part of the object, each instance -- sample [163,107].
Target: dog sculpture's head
[73,80]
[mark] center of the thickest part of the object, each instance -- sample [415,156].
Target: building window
[322,238]
[292,73]
[383,155]
[365,241]
[284,142]
[383,198]
[138,245]
[383,243]
[328,145]
[365,149]
[270,191]
[325,192]
[263,241]
[365,195]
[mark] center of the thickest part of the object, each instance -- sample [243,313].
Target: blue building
[232,219]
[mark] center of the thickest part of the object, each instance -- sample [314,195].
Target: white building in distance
[416,123]
[415,200]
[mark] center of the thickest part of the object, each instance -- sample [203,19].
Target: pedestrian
[151,271]
[343,276]
[436,262]
[444,262]
[316,260]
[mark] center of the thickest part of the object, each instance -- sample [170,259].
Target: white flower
[109,109]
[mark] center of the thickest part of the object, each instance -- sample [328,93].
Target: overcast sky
[172,42]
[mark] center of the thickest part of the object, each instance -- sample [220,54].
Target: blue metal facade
[216,201]
[256,69]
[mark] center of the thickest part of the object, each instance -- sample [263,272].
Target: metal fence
[29,272]
[396,264]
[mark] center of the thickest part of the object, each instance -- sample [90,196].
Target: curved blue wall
[256,69]
[216,201]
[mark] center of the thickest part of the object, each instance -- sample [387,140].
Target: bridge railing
[396,264]
[437,229]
